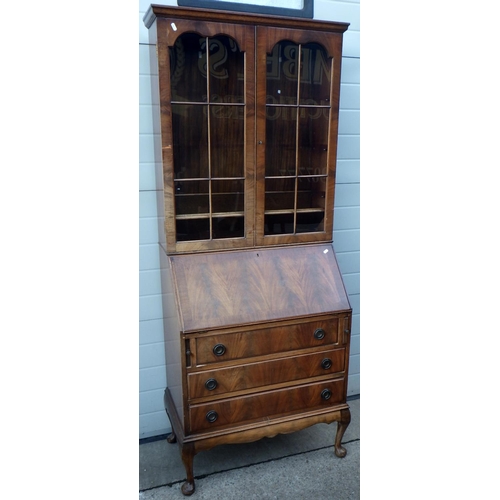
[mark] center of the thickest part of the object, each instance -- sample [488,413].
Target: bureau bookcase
[246,158]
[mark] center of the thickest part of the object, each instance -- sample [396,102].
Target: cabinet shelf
[216,103]
[208,216]
[280,105]
[298,211]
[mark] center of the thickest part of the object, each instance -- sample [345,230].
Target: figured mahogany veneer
[266,341]
[265,338]
[261,373]
[266,405]
[245,147]
[215,290]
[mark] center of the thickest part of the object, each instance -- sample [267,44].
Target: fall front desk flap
[224,289]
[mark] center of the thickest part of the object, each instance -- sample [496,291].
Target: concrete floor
[297,466]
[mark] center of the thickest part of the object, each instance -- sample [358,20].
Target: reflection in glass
[281,141]
[315,77]
[228,196]
[191,197]
[280,194]
[311,192]
[190,138]
[227,66]
[310,222]
[227,141]
[298,114]
[282,73]
[228,227]
[193,229]
[278,224]
[208,178]
[188,72]
[313,141]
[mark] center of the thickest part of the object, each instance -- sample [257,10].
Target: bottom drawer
[266,405]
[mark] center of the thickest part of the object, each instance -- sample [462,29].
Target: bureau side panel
[171,331]
[345,325]
[155,101]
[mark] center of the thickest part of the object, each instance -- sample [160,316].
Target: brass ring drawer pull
[211,384]
[319,334]
[212,416]
[326,363]
[326,394]
[219,349]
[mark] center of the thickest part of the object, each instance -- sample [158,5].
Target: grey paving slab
[160,463]
[313,474]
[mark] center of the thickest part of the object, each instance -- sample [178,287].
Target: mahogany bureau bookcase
[246,155]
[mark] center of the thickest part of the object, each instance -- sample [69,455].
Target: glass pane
[280,194]
[228,227]
[190,137]
[311,192]
[313,141]
[188,68]
[278,224]
[282,74]
[227,66]
[193,229]
[228,196]
[315,77]
[281,141]
[310,222]
[191,197]
[227,141]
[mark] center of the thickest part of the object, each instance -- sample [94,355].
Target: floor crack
[203,476]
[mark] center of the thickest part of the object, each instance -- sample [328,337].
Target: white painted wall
[152,378]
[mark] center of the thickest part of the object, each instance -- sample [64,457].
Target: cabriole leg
[187,453]
[345,419]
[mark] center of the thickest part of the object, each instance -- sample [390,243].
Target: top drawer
[259,342]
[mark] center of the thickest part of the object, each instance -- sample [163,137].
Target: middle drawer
[259,374]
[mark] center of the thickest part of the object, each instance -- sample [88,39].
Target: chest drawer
[276,371]
[266,405]
[258,342]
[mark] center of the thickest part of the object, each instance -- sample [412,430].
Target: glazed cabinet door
[206,77]
[298,85]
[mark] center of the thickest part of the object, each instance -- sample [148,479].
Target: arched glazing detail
[208,123]
[298,112]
